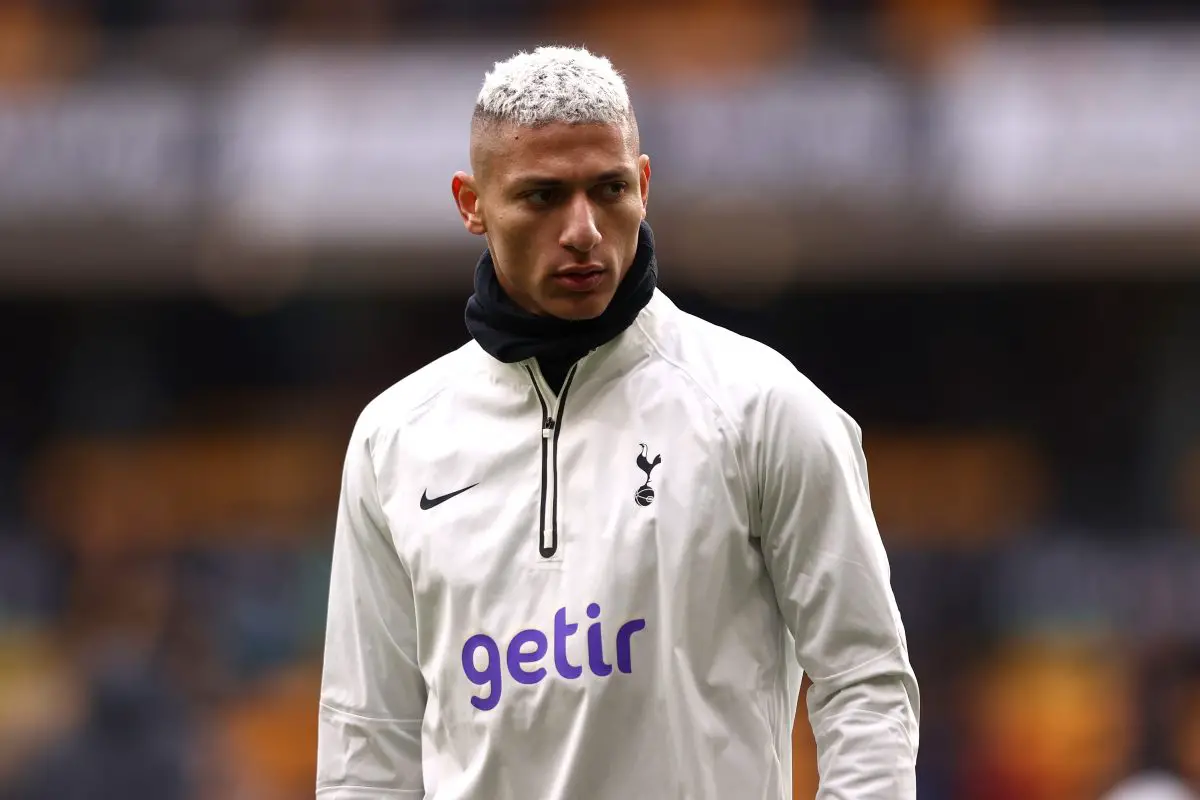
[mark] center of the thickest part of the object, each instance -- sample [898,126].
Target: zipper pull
[548,428]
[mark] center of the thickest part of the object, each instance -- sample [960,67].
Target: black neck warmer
[509,333]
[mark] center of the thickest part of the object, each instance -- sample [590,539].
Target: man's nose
[580,232]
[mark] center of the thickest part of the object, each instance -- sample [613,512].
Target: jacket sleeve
[832,582]
[372,692]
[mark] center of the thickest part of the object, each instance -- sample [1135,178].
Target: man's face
[560,206]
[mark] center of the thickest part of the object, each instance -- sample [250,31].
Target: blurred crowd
[169,465]
[171,470]
[45,40]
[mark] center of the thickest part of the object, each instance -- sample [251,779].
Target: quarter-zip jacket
[607,593]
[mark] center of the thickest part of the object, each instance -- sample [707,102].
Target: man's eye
[540,197]
[614,190]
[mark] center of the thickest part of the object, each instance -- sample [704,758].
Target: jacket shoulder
[396,406]
[735,369]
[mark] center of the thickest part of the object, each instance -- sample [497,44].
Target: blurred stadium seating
[226,224]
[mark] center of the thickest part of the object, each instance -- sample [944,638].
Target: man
[580,557]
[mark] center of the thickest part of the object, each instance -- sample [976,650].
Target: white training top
[603,595]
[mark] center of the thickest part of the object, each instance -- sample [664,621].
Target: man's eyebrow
[550,181]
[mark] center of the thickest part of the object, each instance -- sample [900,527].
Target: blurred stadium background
[226,224]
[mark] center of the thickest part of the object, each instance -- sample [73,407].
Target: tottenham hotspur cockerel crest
[645,495]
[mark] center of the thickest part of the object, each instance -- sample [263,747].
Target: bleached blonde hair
[554,84]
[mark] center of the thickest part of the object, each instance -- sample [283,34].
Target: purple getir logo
[528,647]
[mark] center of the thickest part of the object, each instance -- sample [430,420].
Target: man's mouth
[580,279]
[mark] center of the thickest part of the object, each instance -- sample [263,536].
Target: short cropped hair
[553,84]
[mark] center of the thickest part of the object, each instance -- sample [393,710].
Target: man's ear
[466,198]
[644,181]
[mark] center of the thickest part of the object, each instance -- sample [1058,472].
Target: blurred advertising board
[1144,590]
[362,149]
[1073,130]
[122,149]
[350,149]
[334,166]
[833,134]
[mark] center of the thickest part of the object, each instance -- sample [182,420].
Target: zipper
[551,428]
